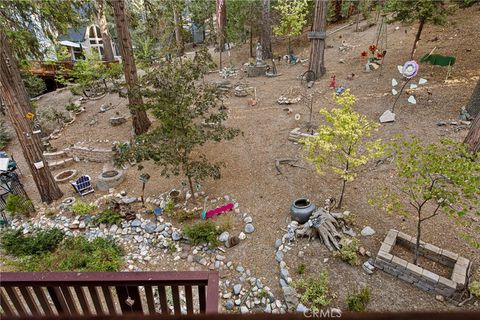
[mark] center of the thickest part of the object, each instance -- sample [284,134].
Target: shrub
[40,242]
[203,232]
[34,85]
[18,205]
[474,289]
[169,208]
[82,208]
[79,254]
[301,268]
[108,216]
[314,291]
[72,107]
[4,135]
[181,215]
[358,300]
[348,252]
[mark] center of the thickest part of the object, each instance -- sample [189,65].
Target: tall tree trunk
[106,39]
[417,38]
[317,39]
[177,17]
[472,140]
[338,10]
[251,42]
[141,123]
[417,242]
[266,39]
[473,105]
[221,22]
[17,104]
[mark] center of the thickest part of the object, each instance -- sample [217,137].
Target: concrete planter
[109,179]
[65,176]
[420,277]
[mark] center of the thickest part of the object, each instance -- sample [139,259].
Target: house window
[95,40]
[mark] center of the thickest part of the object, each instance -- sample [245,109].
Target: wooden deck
[58,294]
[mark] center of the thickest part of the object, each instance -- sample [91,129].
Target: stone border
[57,178]
[420,277]
[90,154]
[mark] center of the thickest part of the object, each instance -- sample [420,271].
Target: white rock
[367,231]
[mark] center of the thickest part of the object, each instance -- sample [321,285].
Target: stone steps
[54,155]
[59,164]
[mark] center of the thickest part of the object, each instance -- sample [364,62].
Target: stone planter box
[420,277]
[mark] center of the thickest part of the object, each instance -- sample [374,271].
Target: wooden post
[17,104]
[141,123]
[317,39]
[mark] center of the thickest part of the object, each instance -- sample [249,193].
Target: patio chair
[83,185]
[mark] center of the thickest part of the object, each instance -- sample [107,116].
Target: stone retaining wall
[423,278]
[90,154]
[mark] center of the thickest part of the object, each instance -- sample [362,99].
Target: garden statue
[259,54]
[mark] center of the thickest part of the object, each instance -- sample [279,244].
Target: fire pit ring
[109,179]
[65,175]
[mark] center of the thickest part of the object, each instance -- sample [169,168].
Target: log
[323,225]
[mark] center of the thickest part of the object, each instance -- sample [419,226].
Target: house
[85,40]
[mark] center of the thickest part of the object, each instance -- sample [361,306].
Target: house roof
[74,35]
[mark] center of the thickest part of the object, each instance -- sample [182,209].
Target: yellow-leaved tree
[342,144]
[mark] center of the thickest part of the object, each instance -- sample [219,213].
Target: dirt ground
[250,176]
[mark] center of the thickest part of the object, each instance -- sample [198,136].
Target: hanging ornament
[410,69]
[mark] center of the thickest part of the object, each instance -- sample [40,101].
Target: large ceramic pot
[301,210]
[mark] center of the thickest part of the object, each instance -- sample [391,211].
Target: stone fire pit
[65,175]
[109,179]
[420,277]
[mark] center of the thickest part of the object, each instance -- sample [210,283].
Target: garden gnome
[259,53]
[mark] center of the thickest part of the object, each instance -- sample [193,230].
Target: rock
[268,309]
[248,219]
[117,120]
[301,308]
[362,251]
[440,298]
[242,236]
[244,310]
[259,284]
[290,296]
[176,236]
[82,225]
[441,123]
[279,256]
[249,228]
[220,257]
[237,288]
[232,242]
[284,274]
[387,116]
[224,236]
[150,227]
[367,231]
[278,243]
[238,302]
[136,223]
[301,254]
[240,269]
[283,283]
[229,304]
[113,228]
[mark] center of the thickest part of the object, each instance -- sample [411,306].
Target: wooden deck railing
[53,294]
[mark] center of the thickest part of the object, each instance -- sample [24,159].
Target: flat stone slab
[420,277]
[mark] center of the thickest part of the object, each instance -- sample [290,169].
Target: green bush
[82,208]
[314,291]
[203,232]
[181,215]
[18,205]
[71,107]
[34,85]
[301,268]
[474,288]
[348,252]
[40,242]
[358,300]
[74,254]
[79,254]
[4,135]
[108,216]
[169,208]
